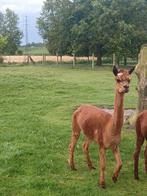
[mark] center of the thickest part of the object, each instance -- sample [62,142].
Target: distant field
[34,50]
[36,107]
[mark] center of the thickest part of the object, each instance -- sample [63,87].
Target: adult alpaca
[102,127]
[141,135]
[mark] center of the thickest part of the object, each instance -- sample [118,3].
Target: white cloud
[21,6]
[29,8]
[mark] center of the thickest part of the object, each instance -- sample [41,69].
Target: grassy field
[34,50]
[36,106]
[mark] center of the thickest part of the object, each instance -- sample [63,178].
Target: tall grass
[36,107]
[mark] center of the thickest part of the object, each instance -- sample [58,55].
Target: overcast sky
[29,8]
[22,6]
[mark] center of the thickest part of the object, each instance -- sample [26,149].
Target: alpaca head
[123,78]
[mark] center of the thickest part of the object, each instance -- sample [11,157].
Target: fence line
[22,58]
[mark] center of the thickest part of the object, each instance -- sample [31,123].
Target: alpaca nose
[126,86]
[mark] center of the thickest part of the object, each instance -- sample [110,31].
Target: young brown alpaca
[141,135]
[102,127]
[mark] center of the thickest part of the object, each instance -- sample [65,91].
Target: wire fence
[75,61]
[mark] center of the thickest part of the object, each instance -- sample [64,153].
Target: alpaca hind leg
[102,155]
[86,152]
[139,142]
[145,157]
[118,167]
[74,139]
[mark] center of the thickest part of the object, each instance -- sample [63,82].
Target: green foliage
[19,52]
[1,59]
[84,27]
[3,43]
[34,50]
[36,107]
[129,22]
[54,25]
[85,37]
[9,28]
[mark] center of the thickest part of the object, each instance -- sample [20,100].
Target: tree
[54,25]
[80,30]
[99,26]
[129,28]
[3,43]
[9,28]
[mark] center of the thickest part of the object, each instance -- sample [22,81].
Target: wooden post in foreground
[141,72]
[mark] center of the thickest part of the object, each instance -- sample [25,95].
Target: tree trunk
[117,61]
[114,59]
[141,72]
[125,61]
[99,55]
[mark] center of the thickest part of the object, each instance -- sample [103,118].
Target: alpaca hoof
[91,167]
[114,178]
[102,185]
[136,177]
[72,167]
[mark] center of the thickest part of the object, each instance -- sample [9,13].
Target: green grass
[36,104]
[34,50]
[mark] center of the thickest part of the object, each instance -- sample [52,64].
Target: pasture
[36,106]
[34,50]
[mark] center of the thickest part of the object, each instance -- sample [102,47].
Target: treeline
[10,34]
[99,27]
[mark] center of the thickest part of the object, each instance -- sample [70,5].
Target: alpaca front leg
[102,155]
[74,139]
[117,156]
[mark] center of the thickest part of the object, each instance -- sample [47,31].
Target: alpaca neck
[118,112]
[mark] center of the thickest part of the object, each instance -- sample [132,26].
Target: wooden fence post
[60,59]
[57,58]
[92,60]
[74,60]
[114,59]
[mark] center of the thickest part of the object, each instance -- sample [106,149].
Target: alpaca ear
[115,70]
[131,70]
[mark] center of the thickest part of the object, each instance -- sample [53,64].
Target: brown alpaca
[141,135]
[102,127]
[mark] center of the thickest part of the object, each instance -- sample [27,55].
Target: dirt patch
[127,113]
